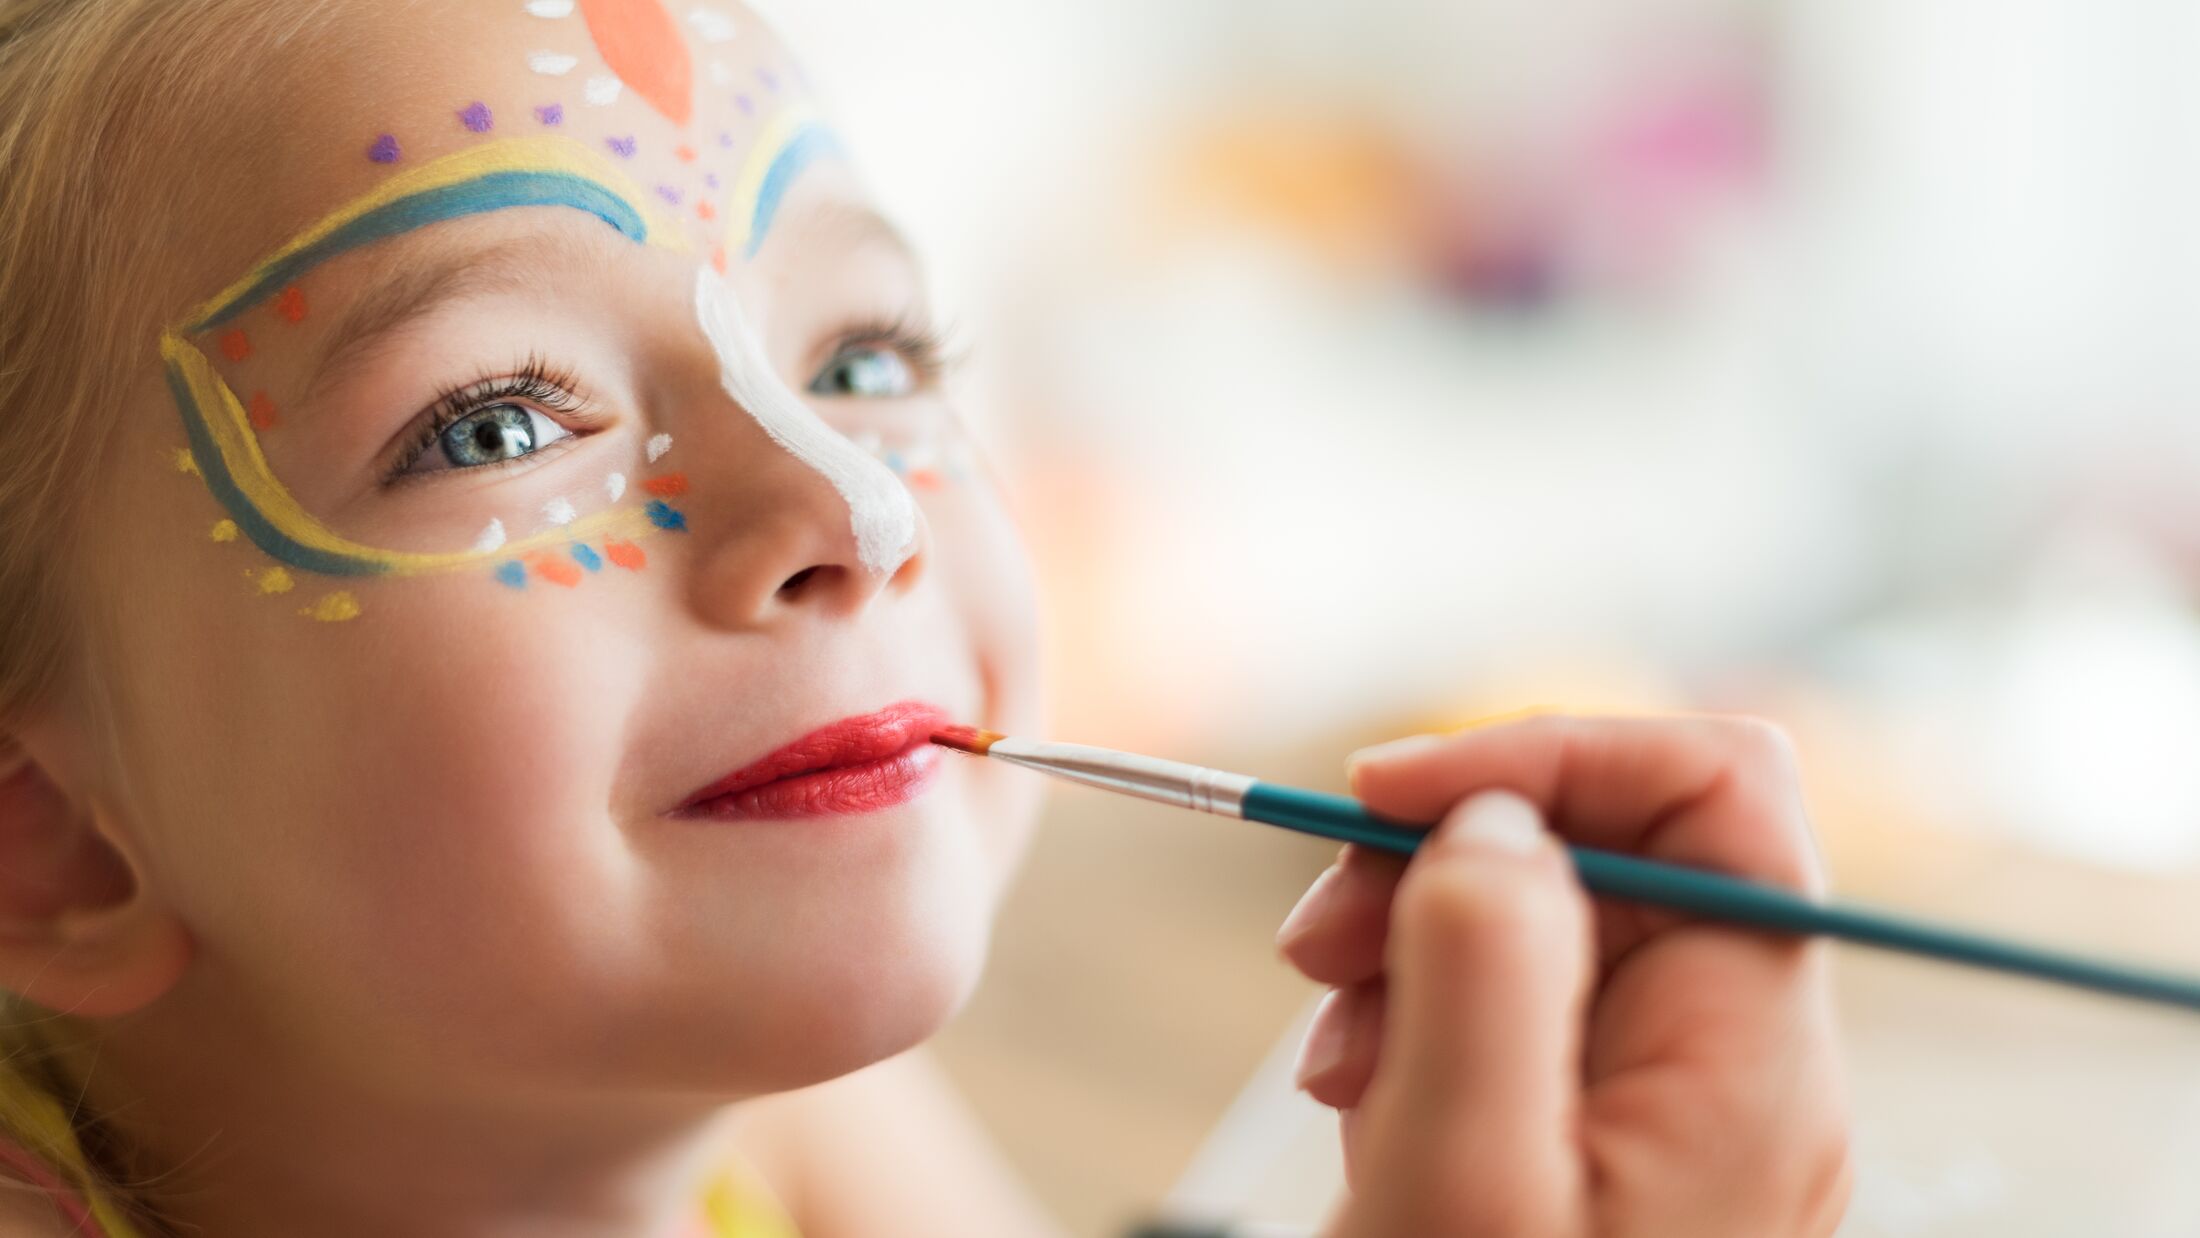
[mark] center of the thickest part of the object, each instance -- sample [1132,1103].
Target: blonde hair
[96,97]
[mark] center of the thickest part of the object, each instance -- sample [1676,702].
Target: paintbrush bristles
[967,739]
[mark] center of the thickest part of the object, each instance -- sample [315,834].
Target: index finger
[1709,792]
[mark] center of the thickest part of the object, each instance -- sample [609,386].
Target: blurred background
[1358,369]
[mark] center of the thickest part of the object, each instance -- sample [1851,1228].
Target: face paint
[880,512]
[333,608]
[640,43]
[224,450]
[712,26]
[642,48]
[789,141]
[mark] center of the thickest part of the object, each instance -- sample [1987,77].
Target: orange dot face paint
[291,304]
[625,554]
[556,569]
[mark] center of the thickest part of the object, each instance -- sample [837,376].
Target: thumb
[1469,1123]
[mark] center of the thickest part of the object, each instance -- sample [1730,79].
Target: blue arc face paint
[494,191]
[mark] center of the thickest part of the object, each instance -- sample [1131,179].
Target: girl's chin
[866,967]
[840,1020]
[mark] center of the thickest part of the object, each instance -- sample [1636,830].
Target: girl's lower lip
[840,791]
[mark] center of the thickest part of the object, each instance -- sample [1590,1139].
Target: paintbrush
[1695,891]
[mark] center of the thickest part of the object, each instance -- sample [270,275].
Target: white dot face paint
[550,8]
[881,512]
[615,486]
[558,511]
[658,445]
[491,537]
[711,25]
[602,91]
[551,64]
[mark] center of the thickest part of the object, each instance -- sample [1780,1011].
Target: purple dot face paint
[384,149]
[670,193]
[622,147]
[477,118]
[551,113]
[748,107]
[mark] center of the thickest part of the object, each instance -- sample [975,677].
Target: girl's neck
[238,1138]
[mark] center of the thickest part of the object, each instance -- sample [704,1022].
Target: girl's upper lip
[850,741]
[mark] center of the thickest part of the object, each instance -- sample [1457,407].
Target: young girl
[482,550]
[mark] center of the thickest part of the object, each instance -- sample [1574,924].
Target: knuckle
[1483,912]
[1769,748]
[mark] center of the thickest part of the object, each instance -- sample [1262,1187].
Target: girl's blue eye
[489,435]
[867,371]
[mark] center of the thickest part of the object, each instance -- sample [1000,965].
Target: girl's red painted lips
[859,764]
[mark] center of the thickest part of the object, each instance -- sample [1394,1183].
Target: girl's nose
[787,551]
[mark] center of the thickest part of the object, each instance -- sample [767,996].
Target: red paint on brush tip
[965,739]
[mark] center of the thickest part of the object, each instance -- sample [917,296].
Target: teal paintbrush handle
[1733,899]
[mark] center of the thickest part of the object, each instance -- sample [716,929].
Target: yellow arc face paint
[225,451]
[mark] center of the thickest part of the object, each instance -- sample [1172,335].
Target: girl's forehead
[692,118]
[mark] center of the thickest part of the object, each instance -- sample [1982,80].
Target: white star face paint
[881,512]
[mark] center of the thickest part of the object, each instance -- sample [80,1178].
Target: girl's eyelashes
[882,360]
[486,423]
[495,421]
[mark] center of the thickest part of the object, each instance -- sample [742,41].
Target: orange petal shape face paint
[641,43]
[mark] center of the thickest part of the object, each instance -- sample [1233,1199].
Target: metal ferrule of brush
[1168,782]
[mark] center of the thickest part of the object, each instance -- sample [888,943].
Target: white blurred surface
[1363,367]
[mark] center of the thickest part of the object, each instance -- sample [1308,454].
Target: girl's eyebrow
[416,288]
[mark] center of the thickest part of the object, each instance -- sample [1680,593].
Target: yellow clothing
[38,1144]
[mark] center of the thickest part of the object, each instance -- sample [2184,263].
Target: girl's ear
[80,931]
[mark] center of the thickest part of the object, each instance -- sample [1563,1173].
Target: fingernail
[1499,820]
[1325,1043]
[1312,905]
[1393,750]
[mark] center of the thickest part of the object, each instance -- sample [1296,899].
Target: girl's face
[550,431]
